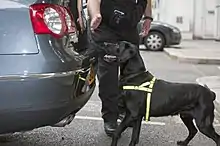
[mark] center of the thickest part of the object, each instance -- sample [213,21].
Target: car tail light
[51,19]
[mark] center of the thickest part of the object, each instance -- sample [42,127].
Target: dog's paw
[182,143]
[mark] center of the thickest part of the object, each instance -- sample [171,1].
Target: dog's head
[134,65]
[122,51]
[125,53]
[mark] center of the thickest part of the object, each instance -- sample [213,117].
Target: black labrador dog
[145,96]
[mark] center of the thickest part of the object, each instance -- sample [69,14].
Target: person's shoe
[110,128]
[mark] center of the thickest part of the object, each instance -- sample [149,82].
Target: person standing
[113,21]
[76,8]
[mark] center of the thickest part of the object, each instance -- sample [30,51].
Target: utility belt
[146,87]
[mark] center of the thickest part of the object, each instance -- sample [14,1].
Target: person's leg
[74,11]
[108,80]
[108,93]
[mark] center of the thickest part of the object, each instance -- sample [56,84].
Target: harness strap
[81,78]
[149,91]
[137,88]
[148,107]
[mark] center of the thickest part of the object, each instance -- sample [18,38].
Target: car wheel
[154,41]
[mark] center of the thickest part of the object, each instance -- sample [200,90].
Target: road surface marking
[216,124]
[100,119]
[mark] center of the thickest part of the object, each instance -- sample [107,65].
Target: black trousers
[107,73]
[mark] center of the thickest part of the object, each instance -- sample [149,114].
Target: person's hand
[95,22]
[81,24]
[145,27]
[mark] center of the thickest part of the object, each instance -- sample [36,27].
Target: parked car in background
[161,34]
[44,81]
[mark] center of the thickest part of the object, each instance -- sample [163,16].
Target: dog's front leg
[121,128]
[136,132]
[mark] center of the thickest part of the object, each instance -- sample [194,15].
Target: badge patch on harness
[91,76]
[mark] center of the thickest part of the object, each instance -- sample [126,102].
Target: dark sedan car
[160,35]
[43,80]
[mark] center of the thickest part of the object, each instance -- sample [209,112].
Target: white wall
[199,16]
[217,18]
[171,9]
[204,26]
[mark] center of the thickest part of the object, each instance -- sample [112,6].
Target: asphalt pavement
[87,127]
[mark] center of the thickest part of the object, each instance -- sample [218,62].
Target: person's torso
[132,11]
[104,33]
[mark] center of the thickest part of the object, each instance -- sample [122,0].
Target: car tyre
[154,41]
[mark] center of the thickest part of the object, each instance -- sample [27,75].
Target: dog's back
[169,98]
[173,98]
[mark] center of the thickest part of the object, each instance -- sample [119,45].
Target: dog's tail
[213,93]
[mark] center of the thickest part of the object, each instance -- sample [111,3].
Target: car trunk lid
[16,32]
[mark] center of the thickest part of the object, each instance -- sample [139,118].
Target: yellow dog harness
[143,87]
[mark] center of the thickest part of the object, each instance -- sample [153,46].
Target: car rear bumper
[35,100]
